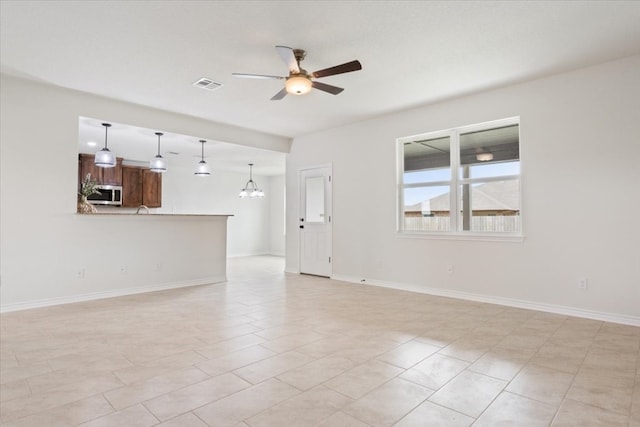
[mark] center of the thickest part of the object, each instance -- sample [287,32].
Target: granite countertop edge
[151,215]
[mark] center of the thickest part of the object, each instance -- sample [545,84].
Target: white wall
[276,195]
[250,227]
[580,152]
[41,241]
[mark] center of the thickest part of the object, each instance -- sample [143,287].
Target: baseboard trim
[245,255]
[109,294]
[549,308]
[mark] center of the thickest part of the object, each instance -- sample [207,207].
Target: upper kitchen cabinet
[104,176]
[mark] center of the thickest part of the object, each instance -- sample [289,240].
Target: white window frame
[454,185]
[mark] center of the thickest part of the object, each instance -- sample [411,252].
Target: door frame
[328,203]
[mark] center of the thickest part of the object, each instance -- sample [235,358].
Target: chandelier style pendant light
[105,158]
[251,189]
[158,163]
[203,168]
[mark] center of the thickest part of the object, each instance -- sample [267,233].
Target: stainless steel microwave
[109,195]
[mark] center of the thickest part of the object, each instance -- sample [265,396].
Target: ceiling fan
[299,81]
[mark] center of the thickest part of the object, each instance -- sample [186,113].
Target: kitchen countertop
[107,215]
[150,214]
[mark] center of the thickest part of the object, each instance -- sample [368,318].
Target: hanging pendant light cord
[250,184]
[158,142]
[106,128]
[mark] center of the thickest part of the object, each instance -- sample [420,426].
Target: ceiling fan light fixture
[298,85]
[299,81]
[484,156]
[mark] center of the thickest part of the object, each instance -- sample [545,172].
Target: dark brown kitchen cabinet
[140,186]
[104,176]
[151,189]
[131,187]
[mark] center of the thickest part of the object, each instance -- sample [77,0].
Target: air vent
[207,84]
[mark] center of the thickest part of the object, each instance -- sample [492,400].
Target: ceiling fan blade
[334,90]
[257,76]
[287,55]
[278,96]
[338,69]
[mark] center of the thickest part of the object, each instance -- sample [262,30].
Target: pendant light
[251,189]
[105,158]
[158,163]
[203,168]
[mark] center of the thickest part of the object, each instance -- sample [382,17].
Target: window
[463,181]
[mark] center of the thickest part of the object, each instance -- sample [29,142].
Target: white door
[315,221]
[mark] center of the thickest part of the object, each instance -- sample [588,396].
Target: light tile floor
[273,349]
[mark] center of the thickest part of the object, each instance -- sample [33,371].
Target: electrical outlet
[80,273]
[158,266]
[123,268]
[583,284]
[450,270]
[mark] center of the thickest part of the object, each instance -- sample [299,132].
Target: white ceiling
[412,52]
